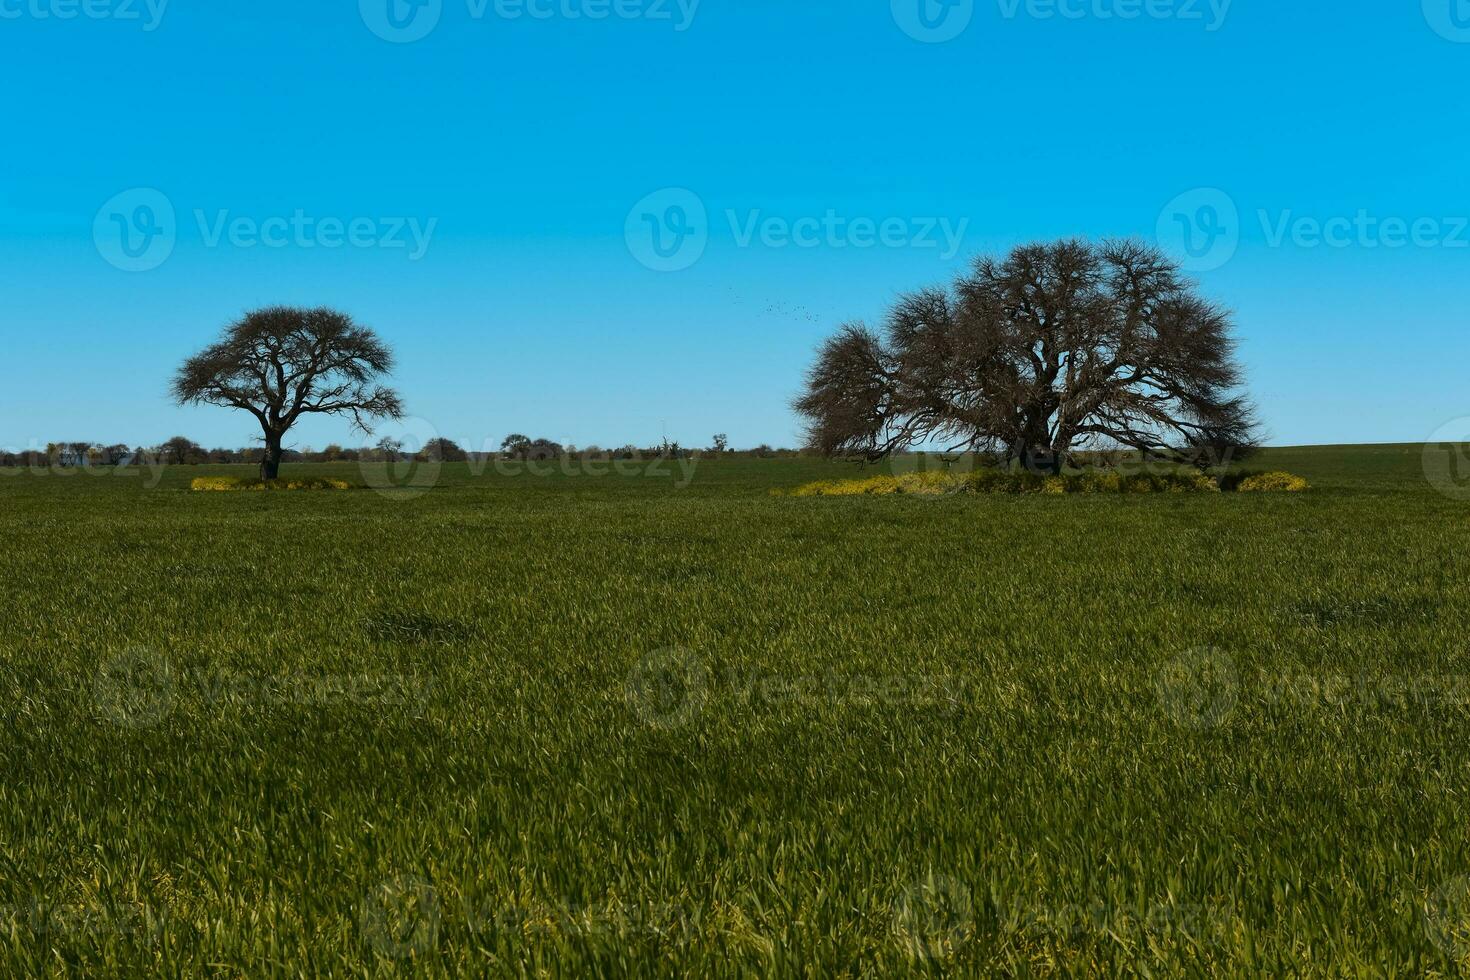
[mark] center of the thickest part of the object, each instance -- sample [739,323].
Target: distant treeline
[181,450]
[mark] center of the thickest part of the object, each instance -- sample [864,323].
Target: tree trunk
[1043,460]
[270,463]
[1036,450]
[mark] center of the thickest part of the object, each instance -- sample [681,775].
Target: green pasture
[669,723]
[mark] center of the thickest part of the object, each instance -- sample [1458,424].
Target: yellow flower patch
[235,483]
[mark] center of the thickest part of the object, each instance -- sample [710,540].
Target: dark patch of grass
[418,627]
[1379,610]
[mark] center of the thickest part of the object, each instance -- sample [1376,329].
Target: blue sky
[502,176]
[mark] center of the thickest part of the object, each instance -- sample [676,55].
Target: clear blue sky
[525,132]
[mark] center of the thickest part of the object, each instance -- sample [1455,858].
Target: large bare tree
[281,363]
[1055,349]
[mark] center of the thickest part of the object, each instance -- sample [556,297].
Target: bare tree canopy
[1056,349]
[282,362]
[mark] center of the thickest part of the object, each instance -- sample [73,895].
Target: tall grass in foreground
[598,726]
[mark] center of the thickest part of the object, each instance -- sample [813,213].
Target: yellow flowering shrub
[216,483]
[910,483]
[227,483]
[1016,481]
[1272,482]
[1099,482]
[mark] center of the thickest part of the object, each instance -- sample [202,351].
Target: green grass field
[607,726]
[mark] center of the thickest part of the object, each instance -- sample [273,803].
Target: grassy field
[609,726]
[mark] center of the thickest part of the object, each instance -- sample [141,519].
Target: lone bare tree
[281,363]
[1055,349]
